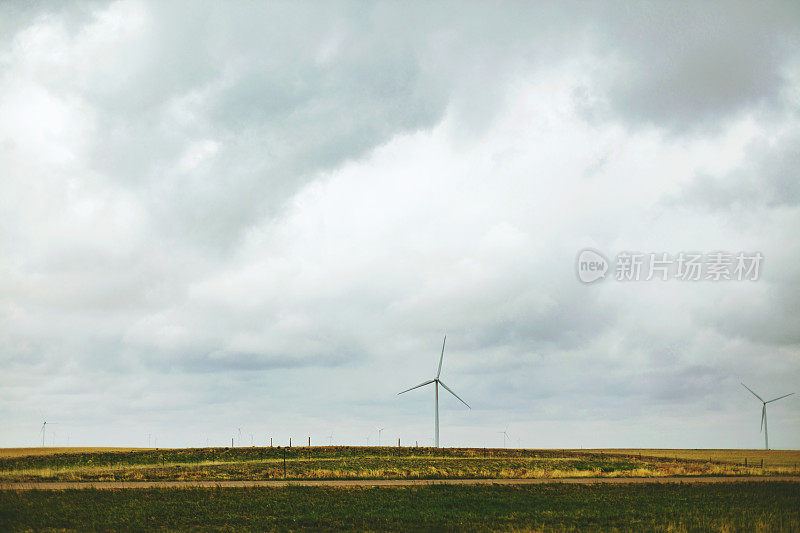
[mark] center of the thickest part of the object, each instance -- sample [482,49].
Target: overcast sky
[267,215]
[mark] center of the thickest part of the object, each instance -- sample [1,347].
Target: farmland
[720,507]
[346,462]
[726,505]
[772,458]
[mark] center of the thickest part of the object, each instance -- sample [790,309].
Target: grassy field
[346,462]
[769,506]
[23,452]
[785,458]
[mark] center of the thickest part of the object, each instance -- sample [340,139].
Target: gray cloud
[768,176]
[689,67]
[269,214]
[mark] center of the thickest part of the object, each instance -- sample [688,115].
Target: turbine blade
[763,414]
[417,386]
[439,372]
[779,397]
[453,393]
[753,393]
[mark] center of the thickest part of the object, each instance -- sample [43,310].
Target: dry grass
[373,463]
[772,458]
[24,452]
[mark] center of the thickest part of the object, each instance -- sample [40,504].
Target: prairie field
[772,506]
[765,505]
[25,452]
[772,458]
[350,462]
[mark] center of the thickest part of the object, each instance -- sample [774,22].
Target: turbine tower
[436,381]
[764,412]
[380,429]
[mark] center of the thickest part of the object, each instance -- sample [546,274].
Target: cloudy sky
[267,215]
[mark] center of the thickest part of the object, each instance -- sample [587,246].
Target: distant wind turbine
[239,438]
[44,429]
[330,439]
[379,434]
[436,381]
[505,436]
[764,412]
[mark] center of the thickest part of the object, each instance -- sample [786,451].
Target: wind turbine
[505,436]
[436,381]
[330,439]
[239,437]
[43,431]
[379,434]
[764,412]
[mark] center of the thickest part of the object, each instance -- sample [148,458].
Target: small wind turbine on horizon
[436,381]
[764,412]
[380,429]
[505,436]
[330,439]
[44,429]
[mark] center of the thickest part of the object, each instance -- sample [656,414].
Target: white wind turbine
[505,436]
[380,429]
[43,431]
[764,412]
[436,381]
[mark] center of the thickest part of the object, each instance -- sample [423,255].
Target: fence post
[309,442]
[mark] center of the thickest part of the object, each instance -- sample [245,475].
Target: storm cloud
[267,215]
